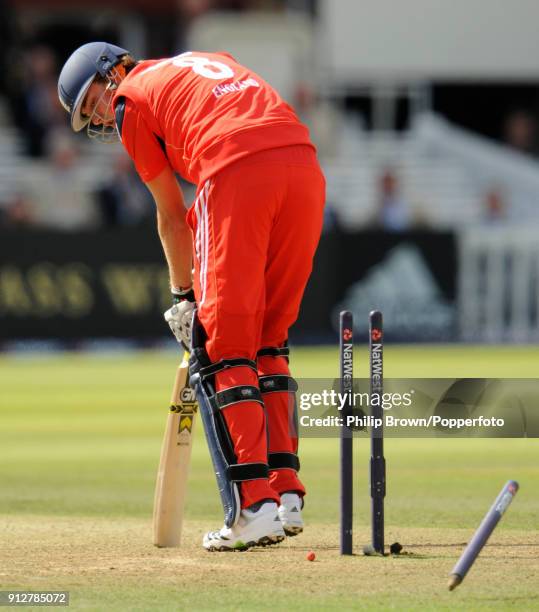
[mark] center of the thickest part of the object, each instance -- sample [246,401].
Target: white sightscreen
[365,40]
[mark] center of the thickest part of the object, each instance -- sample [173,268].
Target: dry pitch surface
[80,438]
[110,565]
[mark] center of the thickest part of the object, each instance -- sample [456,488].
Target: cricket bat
[171,486]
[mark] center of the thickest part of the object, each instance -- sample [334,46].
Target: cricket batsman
[250,235]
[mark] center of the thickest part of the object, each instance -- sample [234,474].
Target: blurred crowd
[55,187]
[58,195]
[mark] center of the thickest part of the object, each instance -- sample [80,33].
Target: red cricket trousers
[256,225]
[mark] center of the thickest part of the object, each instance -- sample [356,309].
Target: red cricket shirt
[199,112]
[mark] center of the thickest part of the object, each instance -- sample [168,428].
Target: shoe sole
[291,531]
[241,547]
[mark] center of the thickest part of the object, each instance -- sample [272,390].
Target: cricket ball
[395,548]
[311,556]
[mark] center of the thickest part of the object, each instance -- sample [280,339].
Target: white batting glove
[180,316]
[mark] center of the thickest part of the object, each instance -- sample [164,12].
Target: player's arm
[173,230]
[153,168]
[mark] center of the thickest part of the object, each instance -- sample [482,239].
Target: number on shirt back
[199,64]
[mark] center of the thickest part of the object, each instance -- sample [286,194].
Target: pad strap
[274,351]
[238,472]
[277,382]
[279,461]
[236,395]
[225,364]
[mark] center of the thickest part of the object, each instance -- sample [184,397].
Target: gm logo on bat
[186,411]
[188,402]
[187,396]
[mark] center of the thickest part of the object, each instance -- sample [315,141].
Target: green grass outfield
[79,444]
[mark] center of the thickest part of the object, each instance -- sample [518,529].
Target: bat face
[171,485]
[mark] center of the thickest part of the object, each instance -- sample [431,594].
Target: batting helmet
[84,64]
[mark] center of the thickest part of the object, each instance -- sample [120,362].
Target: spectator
[42,110]
[57,190]
[393,211]
[494,207]
[17,213]
[520,132]
[124,200]
[331,219]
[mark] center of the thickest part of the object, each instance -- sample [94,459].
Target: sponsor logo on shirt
[225,88]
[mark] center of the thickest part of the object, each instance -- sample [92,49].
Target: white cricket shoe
[290,513]
[258,526]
